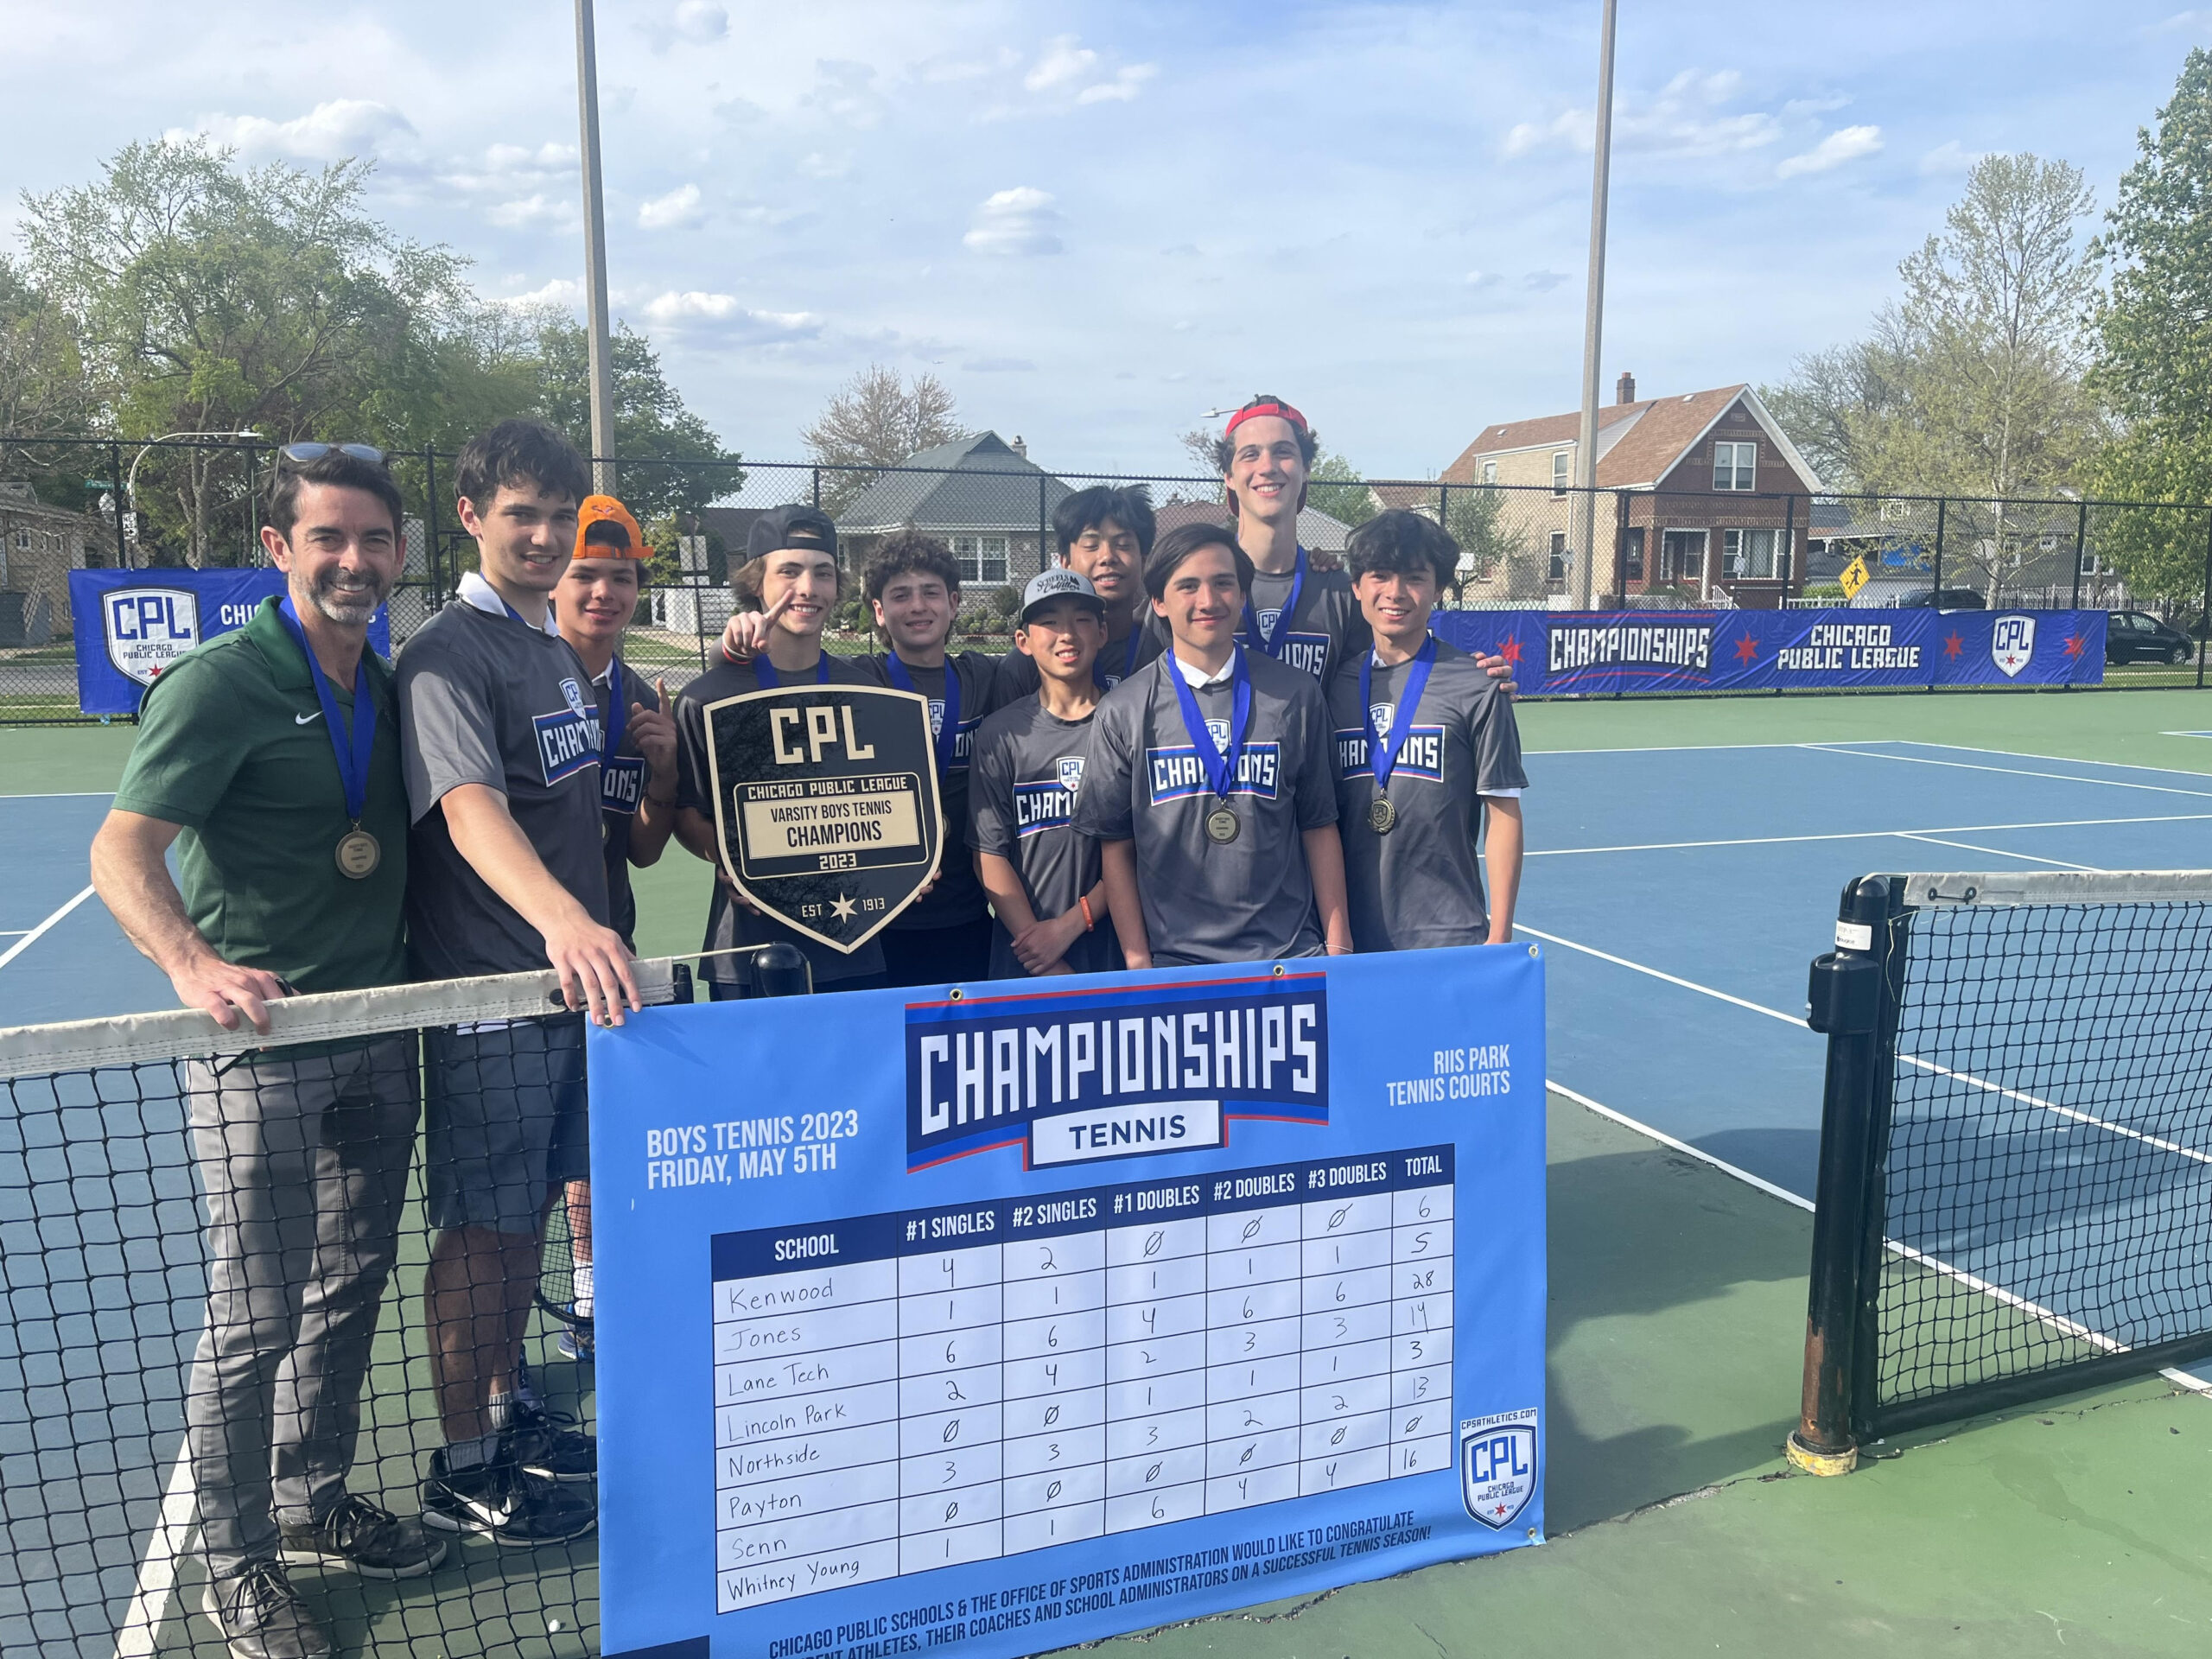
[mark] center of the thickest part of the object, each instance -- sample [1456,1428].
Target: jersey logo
[1421,755]
[964,740]
[621,785]
[1071,773]
[1381,714]
[567,740]
[1268,622]
[1178,774]
[1218,730]
[574,694]
[1040,806]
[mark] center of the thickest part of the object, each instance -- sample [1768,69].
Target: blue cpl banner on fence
[130,625]
[1566,653]
[996,1320]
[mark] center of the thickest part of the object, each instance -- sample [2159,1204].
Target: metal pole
[115,472]
[433,549]
[1586,452]
[2080,552]
[2204,617]
[603,383]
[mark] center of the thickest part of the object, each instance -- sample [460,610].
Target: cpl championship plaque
[826,804]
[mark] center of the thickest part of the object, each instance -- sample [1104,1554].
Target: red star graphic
[1511,651]
[1953,645]
[1499,1510]
[1747,651]
[2073,644]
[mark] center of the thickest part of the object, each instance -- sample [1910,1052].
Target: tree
[1830,406]
[2153,339]
[672,462]
[876,420]
[1334,487]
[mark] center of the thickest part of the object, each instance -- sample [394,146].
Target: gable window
[1559,555]
[1681,555]
[22,541]
[1735,465]
[981,559]
[1632,554]
[1559,472]
[1490,472]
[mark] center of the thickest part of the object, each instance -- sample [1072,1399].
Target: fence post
[818,486]
[1844,998]
[1042,479]
[2081,552]
[433,544]
[1788,570]
[2204,617]
[1941,502]
[121,506]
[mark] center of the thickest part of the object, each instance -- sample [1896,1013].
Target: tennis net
[118,1136]
[2015,1190]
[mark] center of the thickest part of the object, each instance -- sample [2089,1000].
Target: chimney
[1019,447]
[1626,390]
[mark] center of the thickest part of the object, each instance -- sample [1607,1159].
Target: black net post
[1844,1004]
[2204,615]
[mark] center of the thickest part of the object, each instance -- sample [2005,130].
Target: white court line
[1686,984]
[2057,1321]
[1866,834]
[1996,852]
[36,933]
[2015,771]
[1699,748]
[2072,1112]
[60,795]
[2059,759]
[172,1535]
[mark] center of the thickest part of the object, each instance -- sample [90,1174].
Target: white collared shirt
[1198,678]
[475,590]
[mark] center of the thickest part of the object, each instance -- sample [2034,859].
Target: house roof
[1638,443]
[973,483]
[1320,532]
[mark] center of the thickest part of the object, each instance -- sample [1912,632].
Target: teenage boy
[1211,783]
[1042,877]
[269,757]
[502,753]
[1302,617]
[597,597]
[1426,748]
[786,589]
[1105,535]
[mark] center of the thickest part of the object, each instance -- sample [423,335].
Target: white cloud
[700,21]
[679,207]
[532,211]
[1127,83]
[722,313]
[560,291]
[1950,156]
[1069,66]
[1483,279]
[1542,282]
[1019,221]
[1685,118]
[331,131]
[1064,60]
[1844,144]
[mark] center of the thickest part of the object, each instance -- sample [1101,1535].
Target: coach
[270,756]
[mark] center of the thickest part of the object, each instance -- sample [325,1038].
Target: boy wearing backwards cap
[1426,746]
[1043,878]
[595,600]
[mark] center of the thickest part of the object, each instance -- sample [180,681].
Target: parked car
[1944,599]
[2136,636]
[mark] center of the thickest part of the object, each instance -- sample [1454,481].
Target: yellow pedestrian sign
[1854,577]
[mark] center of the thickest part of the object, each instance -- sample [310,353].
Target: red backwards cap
[1273,406]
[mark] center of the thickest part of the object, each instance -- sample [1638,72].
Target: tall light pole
[595,326]
[1585,451]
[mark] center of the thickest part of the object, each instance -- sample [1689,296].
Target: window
[1681,555]
[2088,563]
[22,541]
[1735,465]
[1632,554]
[1759,555]
[1559,555]
[1559,472]
[981,559]
[1490,472]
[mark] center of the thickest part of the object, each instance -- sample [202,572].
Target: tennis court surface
[1687,862]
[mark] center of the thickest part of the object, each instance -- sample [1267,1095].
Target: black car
[1944,599]
[2135,637]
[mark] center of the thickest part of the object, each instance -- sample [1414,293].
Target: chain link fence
[194,502]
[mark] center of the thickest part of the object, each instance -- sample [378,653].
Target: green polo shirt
[232,747]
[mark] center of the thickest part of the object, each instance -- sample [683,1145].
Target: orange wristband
[1089,921]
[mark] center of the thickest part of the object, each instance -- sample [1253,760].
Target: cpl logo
[149,628]
[1499,1466]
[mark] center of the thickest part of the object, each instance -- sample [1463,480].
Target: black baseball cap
[793,526]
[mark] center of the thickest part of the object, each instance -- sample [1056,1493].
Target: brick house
[1707,501]
[40,546]
[980,495]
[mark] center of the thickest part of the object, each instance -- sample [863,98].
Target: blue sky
[1096,221]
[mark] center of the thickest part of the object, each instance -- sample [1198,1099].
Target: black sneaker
[361,1538]
[260,1616]
[541,1442]
[507,1504]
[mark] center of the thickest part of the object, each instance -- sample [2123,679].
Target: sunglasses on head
[303,452]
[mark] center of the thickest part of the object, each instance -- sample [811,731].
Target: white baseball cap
[1058,583]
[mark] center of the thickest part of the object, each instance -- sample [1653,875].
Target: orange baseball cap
[605,510]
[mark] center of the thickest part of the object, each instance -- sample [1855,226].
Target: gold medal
[1382,817]
[357,854]
[1222,825]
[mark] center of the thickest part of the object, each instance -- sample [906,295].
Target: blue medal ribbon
[1382,752]
[1220,764]
[351,747]
[947,732]
[617,713]
[1273,642]
[765,671]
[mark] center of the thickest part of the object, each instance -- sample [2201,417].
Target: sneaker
[575,1342]
[260,1616]
[361,1538]
[540,1442]
[507,1505]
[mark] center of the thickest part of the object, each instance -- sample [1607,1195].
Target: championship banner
[993,1320]
[1558,654]
[826,806]
[130,625]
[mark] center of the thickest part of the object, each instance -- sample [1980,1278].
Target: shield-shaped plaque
[826,804]
[1498,1467]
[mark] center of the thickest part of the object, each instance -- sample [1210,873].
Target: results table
[924,1387]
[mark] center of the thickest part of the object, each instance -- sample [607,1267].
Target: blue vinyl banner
[997,1319]
[1596,654]
[130,625]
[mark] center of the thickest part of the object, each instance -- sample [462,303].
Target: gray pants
[303,1162]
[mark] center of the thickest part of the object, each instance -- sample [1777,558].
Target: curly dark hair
[910,551]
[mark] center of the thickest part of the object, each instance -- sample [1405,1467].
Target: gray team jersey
[1029,770]
[730,924]
[957,897]
[488,699]
[1251,898]
[1326,628]
[1117,660]
[622,778]
[1420,886]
